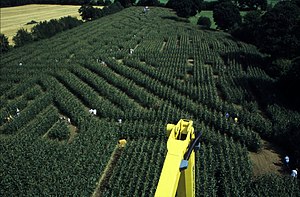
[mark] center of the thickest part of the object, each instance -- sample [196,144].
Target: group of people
[10,117]
[93,111]
[294,172]
[64,118]
[235,117]
[100,61]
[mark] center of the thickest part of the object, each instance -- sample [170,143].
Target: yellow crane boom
[178,173]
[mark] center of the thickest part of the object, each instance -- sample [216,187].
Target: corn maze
[55,147]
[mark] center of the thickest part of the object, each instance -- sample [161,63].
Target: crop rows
[175,71]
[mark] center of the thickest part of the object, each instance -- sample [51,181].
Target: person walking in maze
[146,9]
[131,51]
[227,115]
[294,173]
[286,161]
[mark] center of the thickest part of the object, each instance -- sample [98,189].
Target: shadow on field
[265,89]
[259,86]
[246,59]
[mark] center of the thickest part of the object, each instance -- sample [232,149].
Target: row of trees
[42,30]
[88,12]
[4,44]
[10,3]
[45,29]
[187,8]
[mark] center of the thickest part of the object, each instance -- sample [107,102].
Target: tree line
[10,3]
[47,29]
[42,30]
[88,12]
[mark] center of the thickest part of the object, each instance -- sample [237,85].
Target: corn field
[55,147]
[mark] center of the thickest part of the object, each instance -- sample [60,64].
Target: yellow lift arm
[178,173]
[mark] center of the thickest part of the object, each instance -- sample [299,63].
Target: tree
[133,2]
[4,44]
[297,2]
[148,3]
[22,37]
[107,2]
[88,12]
[125,3]
[46,29]
[253,4]
[69,22]
[248,29]
[204,21]
[184,8]
[288,84]
[227,16]
[198,4]
[279,33]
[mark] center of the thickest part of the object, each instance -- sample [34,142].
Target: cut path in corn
[103,181]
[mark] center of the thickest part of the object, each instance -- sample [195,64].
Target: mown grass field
[176,70]
[14,18]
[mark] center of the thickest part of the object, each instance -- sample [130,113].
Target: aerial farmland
[68,100]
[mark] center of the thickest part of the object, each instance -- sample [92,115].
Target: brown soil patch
[73,132]
[268,160]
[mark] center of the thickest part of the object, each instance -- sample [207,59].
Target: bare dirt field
[14,18]
[268,160]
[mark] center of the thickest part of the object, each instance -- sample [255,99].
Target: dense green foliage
[22,37]
[288,81]
[47,29]
[252,4]
[149,3]
[4,44]
[125,3]
[175,71]
[279,31]
[185,8]
[88,12]
[204,22]
[276,32]
[247,31]
[59,131]
[227,15]
[9,3]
